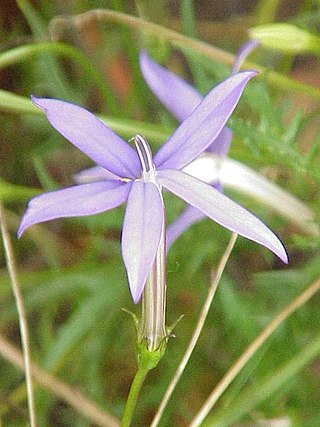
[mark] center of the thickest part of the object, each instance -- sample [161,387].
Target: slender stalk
[197,331]
[179,40]
[71,396]
[21,314]
[251,350]
[136,385]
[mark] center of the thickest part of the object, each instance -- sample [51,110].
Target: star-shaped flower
[136,177]
[213,166]
[181,98]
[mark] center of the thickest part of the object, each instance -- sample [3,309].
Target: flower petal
[188,217]
[203,125]
[94,174]
[221,144]
[221,209]
[91,136]
[141,233]
[236,176]
[191,215]
[81,200]
[178,96]
[242,54]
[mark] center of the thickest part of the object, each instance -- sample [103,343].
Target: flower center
[145,156]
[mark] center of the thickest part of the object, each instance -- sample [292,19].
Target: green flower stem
[21,53]
[133,395]
[147,360]
[276,79]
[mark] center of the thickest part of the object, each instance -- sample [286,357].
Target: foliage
[71,273]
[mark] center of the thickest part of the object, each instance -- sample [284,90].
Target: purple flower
[214,166]
[136,177]
[180,98]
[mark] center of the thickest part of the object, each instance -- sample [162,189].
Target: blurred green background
[71,271]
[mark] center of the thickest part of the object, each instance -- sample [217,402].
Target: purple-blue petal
[91,136]
[141,233]
[242,54]
[203,125]
[221,144]
[81,200]
[189,216]
[178,96]
[221,209]
[93,174]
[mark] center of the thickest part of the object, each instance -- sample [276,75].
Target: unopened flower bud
[286,38]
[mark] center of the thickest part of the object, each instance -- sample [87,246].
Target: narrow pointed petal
[236,176]
[221,144]
[94,174]
[178,96]
[188,217]
[221,209]
[141,233]
[81,200]
[242,54]
[91,136]
[203,125]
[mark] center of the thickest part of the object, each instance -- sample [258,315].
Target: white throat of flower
[145,156]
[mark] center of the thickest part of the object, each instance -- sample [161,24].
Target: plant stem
[134,394]
[21,314]
[251,350]
[179,40]
[197,331]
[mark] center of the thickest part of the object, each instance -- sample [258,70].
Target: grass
[71,272]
